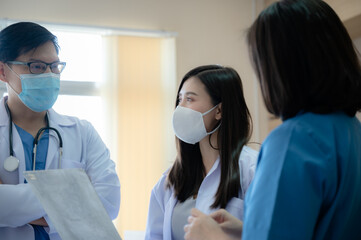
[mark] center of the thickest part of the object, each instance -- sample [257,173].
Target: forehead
[45,52]
[193,84]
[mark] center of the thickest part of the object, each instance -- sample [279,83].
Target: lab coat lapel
[17,143]
[56,121]
[208,189]
[167,229]
[52,159]
[4,118]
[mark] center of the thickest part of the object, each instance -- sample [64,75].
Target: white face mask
[188,124]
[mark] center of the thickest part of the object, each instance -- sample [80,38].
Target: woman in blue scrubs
[307,183]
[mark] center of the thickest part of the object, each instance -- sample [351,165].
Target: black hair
[224,85]
[305,59]
[22,37]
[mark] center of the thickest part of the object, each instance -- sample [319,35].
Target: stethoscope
[12,163]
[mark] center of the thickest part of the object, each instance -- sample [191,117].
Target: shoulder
[160,190]
[68,121]
[306,140]
[247,167]
[248,157]
[307,129]
[161,184]
[248,153]
[75,128]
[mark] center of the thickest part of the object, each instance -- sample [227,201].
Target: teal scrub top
[307,183]
[41,154]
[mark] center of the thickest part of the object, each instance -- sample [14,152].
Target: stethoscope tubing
[10,129]
[36,139]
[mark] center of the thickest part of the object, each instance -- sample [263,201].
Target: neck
[24,117]
[209,154]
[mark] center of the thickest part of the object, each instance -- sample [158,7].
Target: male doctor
[30,67]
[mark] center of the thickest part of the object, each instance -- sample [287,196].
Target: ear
[219,111]
[2,72]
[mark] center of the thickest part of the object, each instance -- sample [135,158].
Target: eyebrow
[37,60]
[189,93]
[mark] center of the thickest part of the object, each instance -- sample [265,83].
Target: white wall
[210,31]
[357,43]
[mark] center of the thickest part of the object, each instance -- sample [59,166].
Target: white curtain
[140,95]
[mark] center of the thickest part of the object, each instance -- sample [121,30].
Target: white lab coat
[163,201]
[82,148]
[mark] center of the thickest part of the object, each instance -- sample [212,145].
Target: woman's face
[44,53]
[193,95]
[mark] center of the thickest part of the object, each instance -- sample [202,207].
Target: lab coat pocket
[235,207]
[72,164]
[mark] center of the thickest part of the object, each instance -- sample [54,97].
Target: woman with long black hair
[213,167]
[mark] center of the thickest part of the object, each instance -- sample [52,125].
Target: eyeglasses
[40,67]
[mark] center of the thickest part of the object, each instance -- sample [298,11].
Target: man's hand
[39,222]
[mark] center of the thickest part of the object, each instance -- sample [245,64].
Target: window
[81,79]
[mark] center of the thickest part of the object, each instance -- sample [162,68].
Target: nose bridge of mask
[42,79]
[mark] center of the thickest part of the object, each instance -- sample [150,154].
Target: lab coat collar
[54,118]
[57,119]
[204,200]
[4,118]
[214,167]
[208,188]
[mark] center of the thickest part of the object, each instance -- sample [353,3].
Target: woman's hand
[231,225]
[219,225]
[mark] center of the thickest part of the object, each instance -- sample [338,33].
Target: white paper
[72,204]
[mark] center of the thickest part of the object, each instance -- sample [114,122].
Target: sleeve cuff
[50,229]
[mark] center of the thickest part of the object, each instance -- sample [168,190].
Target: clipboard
[72,204]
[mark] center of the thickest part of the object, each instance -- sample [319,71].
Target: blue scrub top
[41,154]
[307,183]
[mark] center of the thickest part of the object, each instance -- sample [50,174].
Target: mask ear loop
[16,75]
[12,70]
[210,135]
[211,143]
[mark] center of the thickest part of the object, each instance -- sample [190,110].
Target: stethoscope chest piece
[11,164]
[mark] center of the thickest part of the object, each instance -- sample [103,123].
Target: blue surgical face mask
[39,91]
